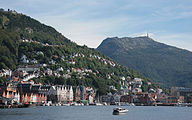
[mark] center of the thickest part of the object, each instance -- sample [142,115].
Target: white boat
[98,104]
[76,104]
[119,110]
[66,104]
[132,104]
[105,103]
[58,104]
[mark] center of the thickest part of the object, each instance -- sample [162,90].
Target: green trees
[3,80]
[21,35]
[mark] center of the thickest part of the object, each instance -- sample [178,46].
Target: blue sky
[91,21]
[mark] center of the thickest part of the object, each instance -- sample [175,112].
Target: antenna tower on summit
[148,35]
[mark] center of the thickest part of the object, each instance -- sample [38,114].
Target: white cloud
[181,40]
[90,32]
[90,21]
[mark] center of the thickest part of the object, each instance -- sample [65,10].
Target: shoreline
[34,105]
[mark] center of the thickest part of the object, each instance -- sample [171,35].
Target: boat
[119,111]
[66,104]
[132,104]
[98,104]
[58,104]
[105,104]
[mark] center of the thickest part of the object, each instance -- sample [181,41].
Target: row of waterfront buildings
[21,89]
[26,93]
[177,96]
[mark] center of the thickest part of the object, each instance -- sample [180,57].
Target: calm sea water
[96,113]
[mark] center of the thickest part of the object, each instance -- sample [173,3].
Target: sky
[89,22]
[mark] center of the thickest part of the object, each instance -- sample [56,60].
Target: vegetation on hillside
[166,65]
[24,36]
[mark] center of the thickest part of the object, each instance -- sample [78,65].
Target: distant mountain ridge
[167,65]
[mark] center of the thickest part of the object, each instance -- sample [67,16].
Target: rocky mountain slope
[166,65]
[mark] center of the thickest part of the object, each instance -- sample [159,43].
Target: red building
[30,93]
[126,99]
[23,93]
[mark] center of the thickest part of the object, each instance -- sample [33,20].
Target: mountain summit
[167,65]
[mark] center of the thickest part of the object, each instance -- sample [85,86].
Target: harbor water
[96,113]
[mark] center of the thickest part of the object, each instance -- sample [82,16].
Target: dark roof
[24,85]
[46,87]
[35,88]
[183,89]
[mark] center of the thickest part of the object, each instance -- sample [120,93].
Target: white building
[122,78]
[60,69]
[60,93]
[17,97]
[91,99]
[49,71]
[24,59]
[27,68]
[34,61]
[40,53]
[136,90]
[70,94]
[52,62]
[5,72]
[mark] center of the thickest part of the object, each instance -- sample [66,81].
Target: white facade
[91,99]
[17,97]
[34,61]
[70,94]
[60,69]
[62,93]
[5,72]
[136,90]
[34,99]
[49,71]
[24,59]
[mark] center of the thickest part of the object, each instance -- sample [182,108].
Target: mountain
[166,65]
[25,41]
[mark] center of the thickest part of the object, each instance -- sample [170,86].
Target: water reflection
[7,113]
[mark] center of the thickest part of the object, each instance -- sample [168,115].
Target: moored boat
[119,110]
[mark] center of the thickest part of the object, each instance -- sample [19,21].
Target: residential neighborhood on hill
[39,66]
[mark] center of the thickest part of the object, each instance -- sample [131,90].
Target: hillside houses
[130,85]
[33,61]
[72,62]
[60,67]
[52,62]
[105,61]
[26,72]
[48,72]
[24,59]
[21,89]
[5,72]
[28,68]
[69,60]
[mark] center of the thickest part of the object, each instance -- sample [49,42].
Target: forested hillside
[25,41]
